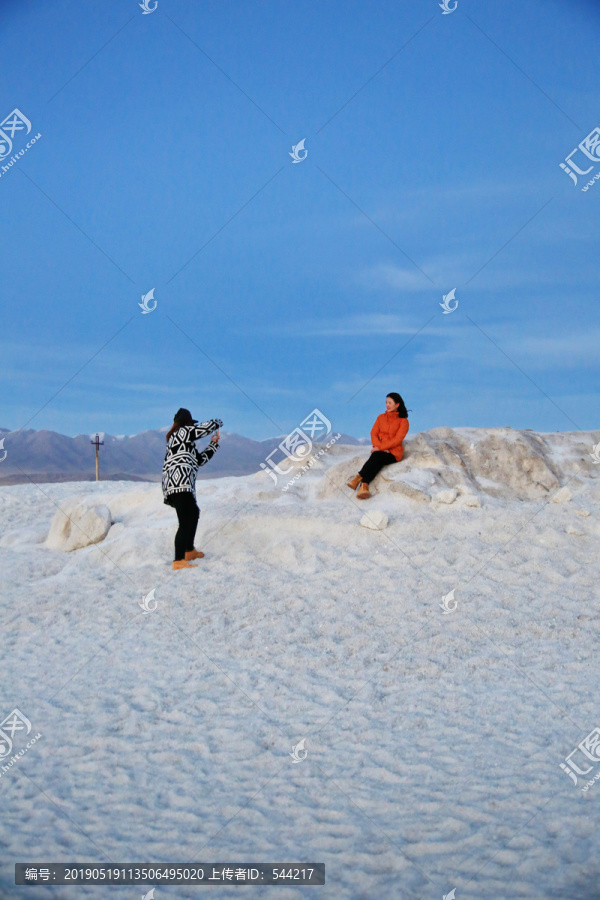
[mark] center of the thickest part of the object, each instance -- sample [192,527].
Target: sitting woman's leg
[375,463]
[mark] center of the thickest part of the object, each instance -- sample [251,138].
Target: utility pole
[97,444]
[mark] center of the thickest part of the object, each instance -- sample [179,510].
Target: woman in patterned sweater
[179,479]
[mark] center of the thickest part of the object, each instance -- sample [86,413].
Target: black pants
[188,514]
[375,463]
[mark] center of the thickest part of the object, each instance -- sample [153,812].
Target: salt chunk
[447,496]
[562,496]
[376,520]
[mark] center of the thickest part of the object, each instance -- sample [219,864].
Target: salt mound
[78,524]
[499,462]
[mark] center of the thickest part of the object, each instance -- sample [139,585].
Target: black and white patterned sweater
[182,459]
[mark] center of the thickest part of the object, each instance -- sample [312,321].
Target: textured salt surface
[434,740]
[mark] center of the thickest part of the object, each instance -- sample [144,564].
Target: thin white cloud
[566,350]
[418,205]
[386,276]
[438,348]
[363,325]
[450,270]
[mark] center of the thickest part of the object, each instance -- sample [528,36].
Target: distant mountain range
[45,456]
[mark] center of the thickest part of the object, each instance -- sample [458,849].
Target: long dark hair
[402,411]
[173,428]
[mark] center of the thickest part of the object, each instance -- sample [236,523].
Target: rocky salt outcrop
[460,466]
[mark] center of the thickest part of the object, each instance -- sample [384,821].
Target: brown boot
[194,554]
[183,564]
[363,491]
[354,483]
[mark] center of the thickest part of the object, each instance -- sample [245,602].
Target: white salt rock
[563,495]
[582,512]
[376,520]
[447,496]
[78,524]
[470,500]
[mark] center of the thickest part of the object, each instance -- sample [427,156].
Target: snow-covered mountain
[48,456]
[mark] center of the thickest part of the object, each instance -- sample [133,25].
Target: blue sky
[434,144]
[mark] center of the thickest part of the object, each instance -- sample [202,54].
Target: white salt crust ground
[434,741]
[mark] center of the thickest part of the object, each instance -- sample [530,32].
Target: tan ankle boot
[363,491]
[194,554]
[183,564]
[354,483]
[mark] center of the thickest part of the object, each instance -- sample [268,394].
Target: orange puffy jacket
[388,432]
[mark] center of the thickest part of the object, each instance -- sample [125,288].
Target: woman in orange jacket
[387,434]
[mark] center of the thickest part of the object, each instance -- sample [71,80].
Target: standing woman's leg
[180,536]
[193,514]
[187,516]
